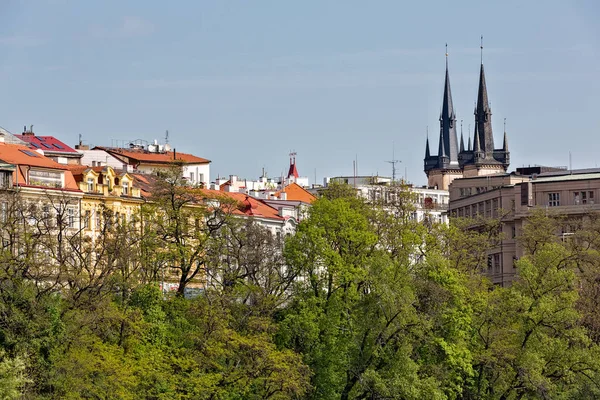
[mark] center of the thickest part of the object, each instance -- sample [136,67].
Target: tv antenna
[393,161]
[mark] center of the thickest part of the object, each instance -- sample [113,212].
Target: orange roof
[78,170]
[247,205]
[296,192]
[154,158]
[23,155]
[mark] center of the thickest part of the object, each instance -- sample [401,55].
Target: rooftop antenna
[481,47]
[167,136]
[393,161]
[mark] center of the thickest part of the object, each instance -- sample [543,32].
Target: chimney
[28,132]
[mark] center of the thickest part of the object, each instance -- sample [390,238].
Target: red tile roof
[296,192]
[143,156]
[48,144]
[22,155]
[247,205]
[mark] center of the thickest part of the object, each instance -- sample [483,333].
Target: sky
[243,83]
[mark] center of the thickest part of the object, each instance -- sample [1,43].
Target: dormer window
[125,188]
[90,184]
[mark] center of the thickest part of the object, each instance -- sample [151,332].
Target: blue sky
[244,82]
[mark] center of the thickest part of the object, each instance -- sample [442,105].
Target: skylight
[46,145]
[29,153]
[58,146]
[37,146]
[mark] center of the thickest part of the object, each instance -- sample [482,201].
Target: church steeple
[448,121]
[427,153]
[483,115]
[505,142]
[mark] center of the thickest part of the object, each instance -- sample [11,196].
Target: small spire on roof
[462,139]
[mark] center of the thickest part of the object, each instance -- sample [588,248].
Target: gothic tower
[480,158]
[484,159]
[442,168]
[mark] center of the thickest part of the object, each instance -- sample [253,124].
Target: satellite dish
[167,147]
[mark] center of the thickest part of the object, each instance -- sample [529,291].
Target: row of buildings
[43,169]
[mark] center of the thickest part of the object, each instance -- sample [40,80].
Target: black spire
[476,142]
[505,143]
[448,121]
[483,116]
[427,154]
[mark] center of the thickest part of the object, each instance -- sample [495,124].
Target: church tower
[444,167]
[480,158]
[484,159]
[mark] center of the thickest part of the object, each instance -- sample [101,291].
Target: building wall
[471,171]
[512,198]
[442,179]
[100,158]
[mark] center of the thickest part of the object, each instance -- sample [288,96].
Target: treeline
[362,302]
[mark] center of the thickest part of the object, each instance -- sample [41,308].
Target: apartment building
[430,204]
[512,196]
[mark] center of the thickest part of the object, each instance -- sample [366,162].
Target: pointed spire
[448,121]
[462,139]
[442,147]
[483,116]
[476,142]
[505,143]
[427,153]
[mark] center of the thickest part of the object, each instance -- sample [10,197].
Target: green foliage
[363,302]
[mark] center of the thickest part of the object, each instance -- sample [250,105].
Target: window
[553,199]
[71,217]
[46,145]
[58,146]
[98,219]
[125,188]
[5,179]
[201,178]
[497,265]
[583,197]
[29,153]
[86,219]
[45,212]
[45,178]
[90,184]
[191,177]
[3,211]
